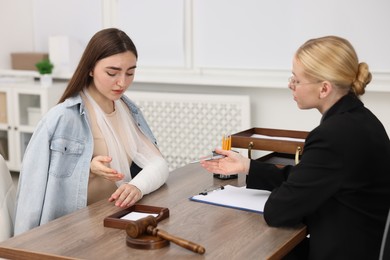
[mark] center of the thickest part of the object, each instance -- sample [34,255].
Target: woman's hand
[126,195]
[99,167]
[233,163]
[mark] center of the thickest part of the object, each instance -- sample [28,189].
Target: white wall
[274,107]
[204,34]
[285,23]
[16,30]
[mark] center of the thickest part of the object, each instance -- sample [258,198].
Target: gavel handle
[177,240]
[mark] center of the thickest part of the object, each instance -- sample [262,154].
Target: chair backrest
[385,248]
[7,201]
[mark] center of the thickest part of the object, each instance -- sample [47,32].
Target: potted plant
[45,68]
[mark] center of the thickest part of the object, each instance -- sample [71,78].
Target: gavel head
[137,228]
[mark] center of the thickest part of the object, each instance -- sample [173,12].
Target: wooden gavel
[148,225]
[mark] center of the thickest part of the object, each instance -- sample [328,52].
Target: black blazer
[341,187]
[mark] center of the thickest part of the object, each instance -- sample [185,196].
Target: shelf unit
[21,107]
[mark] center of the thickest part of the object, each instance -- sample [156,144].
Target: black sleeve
[265,176]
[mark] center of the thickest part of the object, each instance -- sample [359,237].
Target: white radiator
[188,126]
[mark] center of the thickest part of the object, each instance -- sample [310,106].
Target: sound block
[116,221]
[146,242]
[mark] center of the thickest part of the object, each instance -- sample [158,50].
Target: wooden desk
[225,233]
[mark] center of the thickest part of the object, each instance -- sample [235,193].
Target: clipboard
[241,198]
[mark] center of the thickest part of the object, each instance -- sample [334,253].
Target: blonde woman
[341,187]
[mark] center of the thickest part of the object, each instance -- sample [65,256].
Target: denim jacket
[54,177]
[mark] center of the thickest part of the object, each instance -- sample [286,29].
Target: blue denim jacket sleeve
[54,177]
[32,199]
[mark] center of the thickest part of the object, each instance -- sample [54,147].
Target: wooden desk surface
[225,233]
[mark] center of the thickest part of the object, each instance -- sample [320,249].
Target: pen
[213,156]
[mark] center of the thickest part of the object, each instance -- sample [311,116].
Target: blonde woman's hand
[99,167]
[126,195]
[232,163]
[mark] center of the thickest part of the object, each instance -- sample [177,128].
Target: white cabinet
[21,107]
